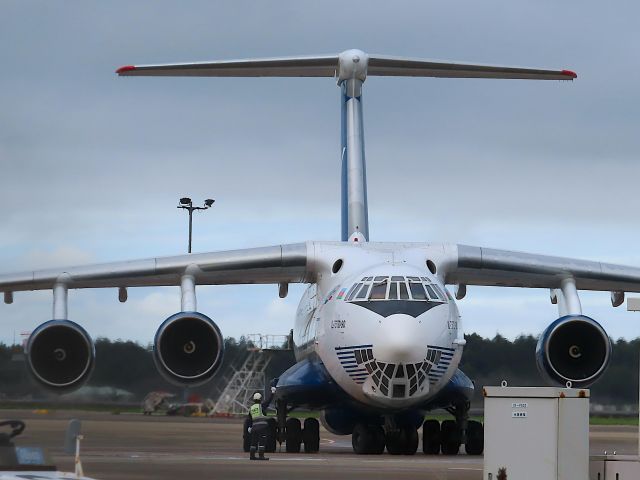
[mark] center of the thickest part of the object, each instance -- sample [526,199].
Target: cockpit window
[379,290]
[351,292]
[382,287]
[404,295]
[441,295]
[417,291]
[431,292]
[363,292]
[393,290]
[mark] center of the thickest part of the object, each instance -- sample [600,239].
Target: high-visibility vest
[256,411]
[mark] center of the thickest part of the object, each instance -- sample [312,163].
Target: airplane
[378,336]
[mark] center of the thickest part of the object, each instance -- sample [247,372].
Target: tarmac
[133,446]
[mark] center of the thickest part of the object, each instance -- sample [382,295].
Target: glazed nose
[402,340]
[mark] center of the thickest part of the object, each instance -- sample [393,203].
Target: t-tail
[351,69]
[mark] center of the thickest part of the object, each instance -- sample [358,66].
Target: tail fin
[350,68]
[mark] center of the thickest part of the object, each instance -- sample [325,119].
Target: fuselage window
[379,290]
[363,292]
[417,291]
[415,279]
[397,279]
[404,295]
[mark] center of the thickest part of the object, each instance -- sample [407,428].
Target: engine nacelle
[60,355]
[188,348]
[574,348]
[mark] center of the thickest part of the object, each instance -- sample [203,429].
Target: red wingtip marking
[569,73]
[126,68]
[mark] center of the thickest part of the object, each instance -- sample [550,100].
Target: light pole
[187,204]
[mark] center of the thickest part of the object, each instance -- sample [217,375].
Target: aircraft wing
[491,267]
[276,264]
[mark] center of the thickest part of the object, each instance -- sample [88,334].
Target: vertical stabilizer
[351,68]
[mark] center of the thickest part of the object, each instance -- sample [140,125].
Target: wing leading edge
[276,264]
[491,267]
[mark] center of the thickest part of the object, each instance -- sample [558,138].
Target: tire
[246,436]
[475,438]
[403,442]
[361,439]
[377,440]
[293,435]
[394,443]
[451,436]
[272,436]
[431,437]
[311,435]
[411,440]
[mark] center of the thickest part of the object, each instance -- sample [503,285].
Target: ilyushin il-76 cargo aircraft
[377,336]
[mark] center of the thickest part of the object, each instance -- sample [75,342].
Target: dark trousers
[259,432]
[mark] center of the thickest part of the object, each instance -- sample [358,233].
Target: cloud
[92,165]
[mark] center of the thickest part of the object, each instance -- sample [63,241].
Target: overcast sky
[92,165]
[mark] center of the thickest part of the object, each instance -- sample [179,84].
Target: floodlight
[208,202]
[185,201]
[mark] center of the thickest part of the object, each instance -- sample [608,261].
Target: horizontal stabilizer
[348,64]
[324,66]
[407,67]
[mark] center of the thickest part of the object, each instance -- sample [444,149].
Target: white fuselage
[383,325]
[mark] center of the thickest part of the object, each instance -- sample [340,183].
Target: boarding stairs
[250,378]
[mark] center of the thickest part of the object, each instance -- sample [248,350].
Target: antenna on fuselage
[351,69]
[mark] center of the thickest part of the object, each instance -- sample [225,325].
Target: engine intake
[188,348]
[574,348]
[60,355]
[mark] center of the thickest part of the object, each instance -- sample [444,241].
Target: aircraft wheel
[293,435]
[475,438]
[246,436]
[377,439]
[271,436]
[431,437]
[311,435]
[451,437]
[361,439]
[403,442]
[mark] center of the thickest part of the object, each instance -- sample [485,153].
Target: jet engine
[60,355]
[574,348]
[188,348]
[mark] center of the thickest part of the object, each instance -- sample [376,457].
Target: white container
[537,433]
[614,467]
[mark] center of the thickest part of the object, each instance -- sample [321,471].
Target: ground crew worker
[258,428]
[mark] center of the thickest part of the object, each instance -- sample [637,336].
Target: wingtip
[126,68]
[570,73]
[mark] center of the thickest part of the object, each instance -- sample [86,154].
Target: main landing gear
[295,434]
[446,437]
[451,434]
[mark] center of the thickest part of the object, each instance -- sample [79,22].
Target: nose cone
[403,340]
